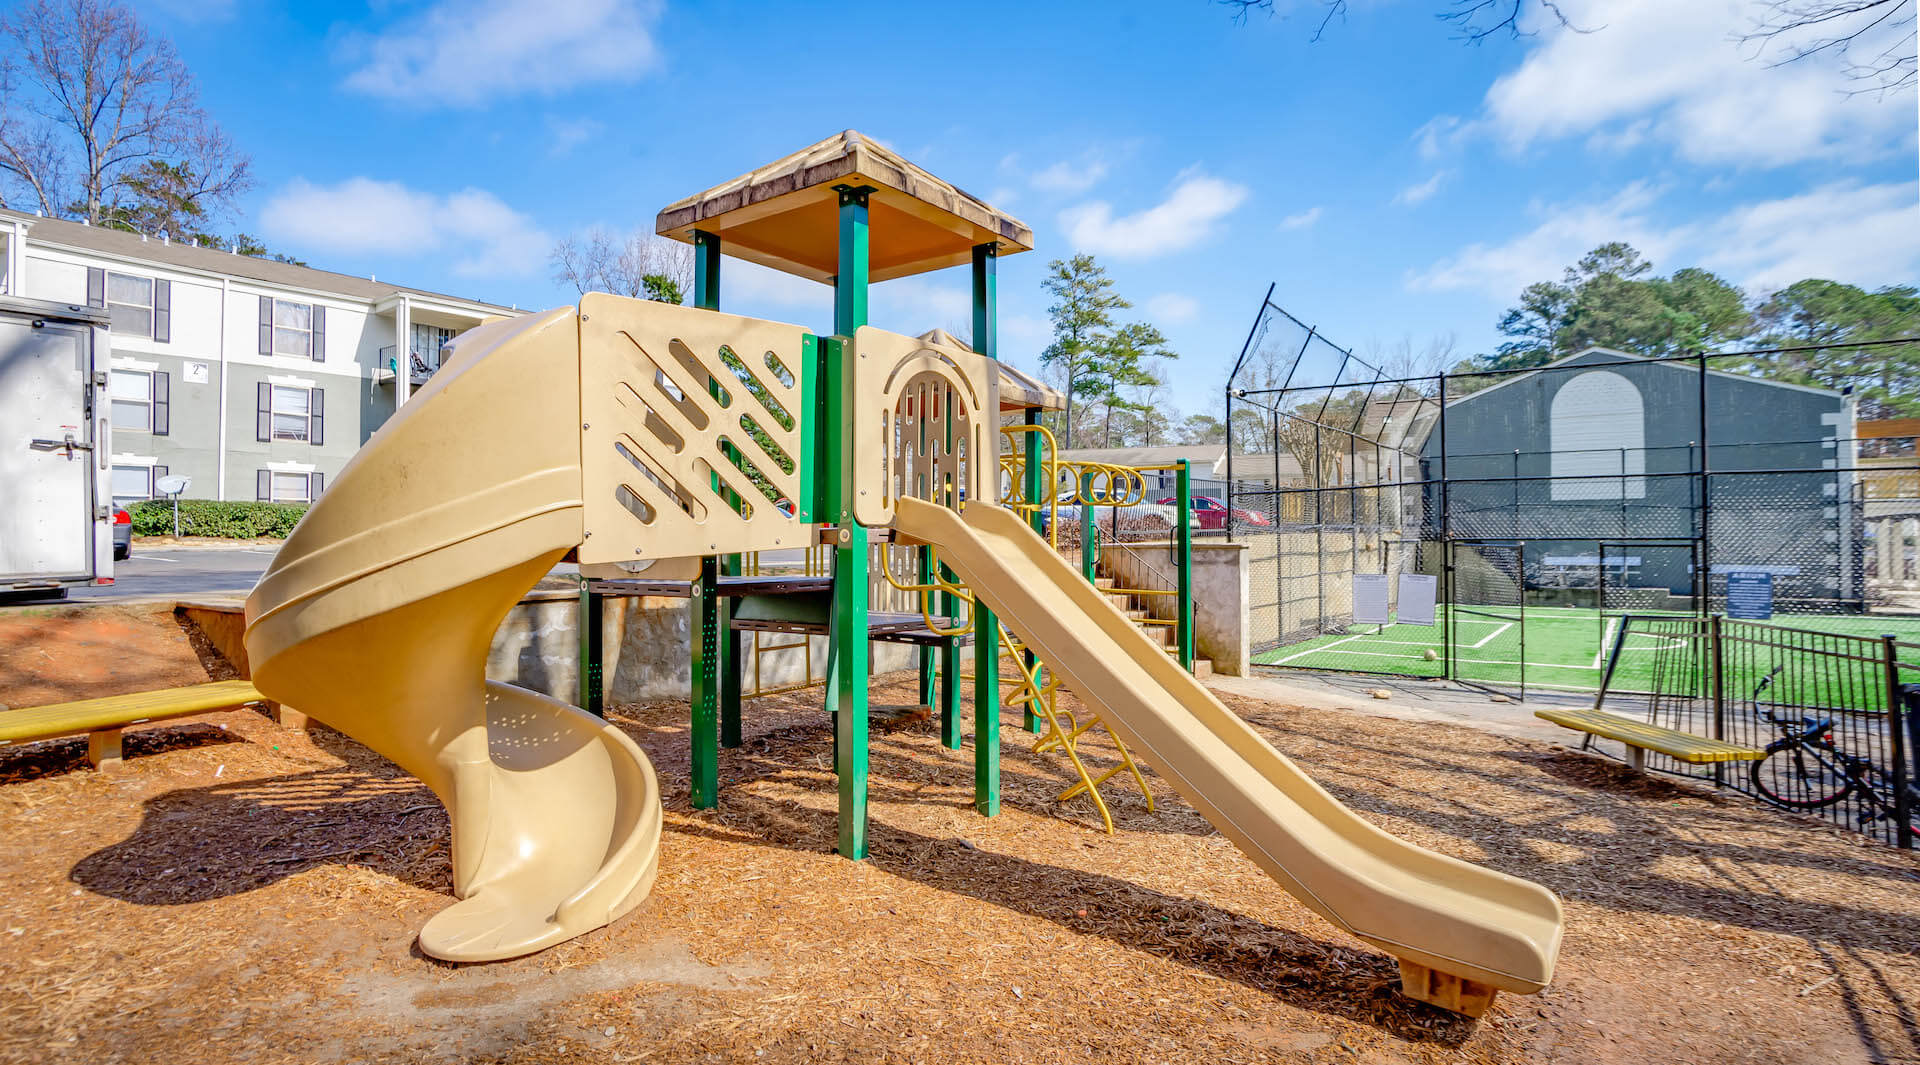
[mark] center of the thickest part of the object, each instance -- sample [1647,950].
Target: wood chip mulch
[240,893]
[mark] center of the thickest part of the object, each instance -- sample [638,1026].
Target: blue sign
[1750,596]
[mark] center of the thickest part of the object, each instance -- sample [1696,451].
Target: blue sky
[1392,182]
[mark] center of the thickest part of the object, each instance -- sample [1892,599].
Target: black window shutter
[162,403]
[153,480]
[263,421]
[315,482]
[266,326]
[317,407]
[96,287]
[263,485]
[163,311]
[319,335]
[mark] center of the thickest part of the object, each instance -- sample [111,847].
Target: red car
[1210,513]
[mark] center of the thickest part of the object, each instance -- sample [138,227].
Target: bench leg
[1445,990]
[288,718]
[1637,759]
[103,749]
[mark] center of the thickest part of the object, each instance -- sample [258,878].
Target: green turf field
[1565,648]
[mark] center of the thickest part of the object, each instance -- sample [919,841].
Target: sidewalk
[1410,700]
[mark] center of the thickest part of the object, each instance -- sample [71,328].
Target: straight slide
[1447,921]
[377,614]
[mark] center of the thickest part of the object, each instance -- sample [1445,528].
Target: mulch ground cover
[238,893]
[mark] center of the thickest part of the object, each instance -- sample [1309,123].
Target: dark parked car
[122,534]
[1210,513]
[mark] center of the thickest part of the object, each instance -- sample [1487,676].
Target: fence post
[1717,656]
[1183,583]
[1902,805]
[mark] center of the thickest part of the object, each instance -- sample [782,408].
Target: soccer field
[1564,648]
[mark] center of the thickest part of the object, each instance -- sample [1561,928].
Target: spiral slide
[376,616]
[1461,932]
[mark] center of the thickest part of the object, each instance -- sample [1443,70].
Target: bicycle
[1806,770]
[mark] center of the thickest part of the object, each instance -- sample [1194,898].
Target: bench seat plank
[116,711]
[1685,747]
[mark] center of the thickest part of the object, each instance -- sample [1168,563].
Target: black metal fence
[1832,712]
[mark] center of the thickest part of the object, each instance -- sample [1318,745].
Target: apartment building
[257,379]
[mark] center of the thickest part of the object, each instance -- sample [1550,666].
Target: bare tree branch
[1837,27]
[92,100]
[598,261]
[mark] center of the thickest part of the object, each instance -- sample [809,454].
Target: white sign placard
[1369,599]
[196,373]
[1416,598]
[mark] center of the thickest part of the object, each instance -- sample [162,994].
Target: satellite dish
[173,484]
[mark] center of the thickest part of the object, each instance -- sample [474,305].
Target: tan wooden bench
[1641,737]
[101,720]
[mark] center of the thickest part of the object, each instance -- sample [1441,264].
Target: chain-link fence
[1549,501]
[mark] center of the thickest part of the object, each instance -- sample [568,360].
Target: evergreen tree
[1082,313]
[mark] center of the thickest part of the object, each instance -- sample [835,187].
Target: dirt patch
[256,902]
[54,654]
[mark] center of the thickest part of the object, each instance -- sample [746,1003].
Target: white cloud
[751,283]
[463,54]
[1069,177]
[1437,135]
[482,235]
[1836,231]
[1677,73]
[1304,220]
[1173,307]
[1421,193]
[566,134]
[1183,219]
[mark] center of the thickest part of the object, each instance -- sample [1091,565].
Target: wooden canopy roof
[785,214]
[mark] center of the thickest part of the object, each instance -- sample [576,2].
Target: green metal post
[986,627]
[706,296]
[1183,543]
[1088,555]
[847,693]
[706,686]
[1033,489]
[592,697]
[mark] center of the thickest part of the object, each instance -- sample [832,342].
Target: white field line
[1606,637]
[1322,647]
[1475,661]
[1484,640]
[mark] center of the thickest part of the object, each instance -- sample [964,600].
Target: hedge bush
[209,517]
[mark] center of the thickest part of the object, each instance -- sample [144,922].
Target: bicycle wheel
[1797,777]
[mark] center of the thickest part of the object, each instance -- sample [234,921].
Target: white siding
[1598,426]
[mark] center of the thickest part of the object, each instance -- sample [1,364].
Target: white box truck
[56,463]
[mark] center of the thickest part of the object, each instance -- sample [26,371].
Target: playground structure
[656,442]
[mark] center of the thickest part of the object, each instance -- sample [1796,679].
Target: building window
[139,306]
[131,484]
[292,413]
[132,395]
[289,327]
[130,301]
[280,486]
[1598,428]
[139,401]
[293,329]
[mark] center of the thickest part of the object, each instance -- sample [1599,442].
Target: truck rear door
[48,466]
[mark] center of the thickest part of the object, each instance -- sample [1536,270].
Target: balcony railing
[421,363]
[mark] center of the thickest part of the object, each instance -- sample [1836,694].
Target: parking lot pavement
[181,572]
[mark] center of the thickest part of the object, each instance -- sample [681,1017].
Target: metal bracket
[69,445]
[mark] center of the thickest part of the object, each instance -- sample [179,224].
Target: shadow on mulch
[196,844]
[46,758]
[1299,970]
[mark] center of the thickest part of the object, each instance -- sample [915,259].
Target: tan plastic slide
[377,614]
[1460,931]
